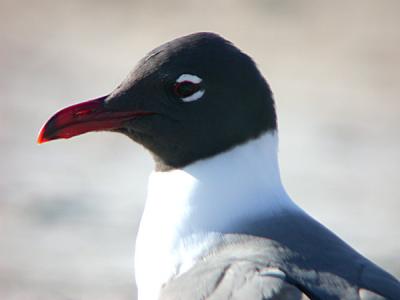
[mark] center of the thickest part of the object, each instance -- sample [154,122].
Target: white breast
[187,209]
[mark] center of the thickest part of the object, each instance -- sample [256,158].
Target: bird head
[188,99]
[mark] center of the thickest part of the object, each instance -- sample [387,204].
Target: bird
[218,222]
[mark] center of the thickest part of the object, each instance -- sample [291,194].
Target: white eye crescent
[187,87]
[194,97]
[189,77]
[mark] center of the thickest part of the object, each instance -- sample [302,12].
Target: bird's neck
[188,208]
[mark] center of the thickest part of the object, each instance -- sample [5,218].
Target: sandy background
[69,210]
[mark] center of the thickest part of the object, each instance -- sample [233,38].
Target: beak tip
[41,139]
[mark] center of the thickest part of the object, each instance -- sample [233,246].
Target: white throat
[188,209]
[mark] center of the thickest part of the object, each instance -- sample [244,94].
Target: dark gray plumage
[289,257]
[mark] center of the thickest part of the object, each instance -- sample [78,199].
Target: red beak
[84,117]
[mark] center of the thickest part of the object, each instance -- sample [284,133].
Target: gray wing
[241,267]
[320,262]
[235,281]
[254,268]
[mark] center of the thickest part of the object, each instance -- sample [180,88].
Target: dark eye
[185,88]
[188,87]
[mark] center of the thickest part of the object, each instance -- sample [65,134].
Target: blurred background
[69,210]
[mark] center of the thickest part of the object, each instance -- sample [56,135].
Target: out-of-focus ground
[69,210]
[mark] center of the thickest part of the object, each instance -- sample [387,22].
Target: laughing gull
[218,223]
